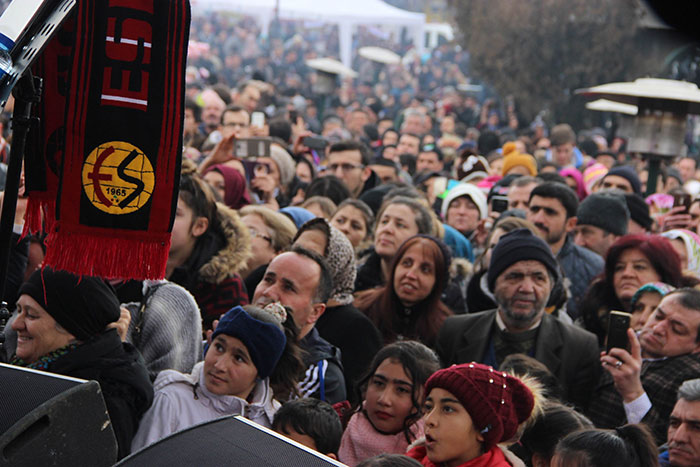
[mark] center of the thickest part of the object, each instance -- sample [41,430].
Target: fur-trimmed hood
[236,251]
[460,269]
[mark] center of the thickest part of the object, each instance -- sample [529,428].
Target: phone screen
[257,119]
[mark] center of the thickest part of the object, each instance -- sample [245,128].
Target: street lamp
[658,130]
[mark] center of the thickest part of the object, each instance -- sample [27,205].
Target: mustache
[679,446]
[524,296]
[541,227]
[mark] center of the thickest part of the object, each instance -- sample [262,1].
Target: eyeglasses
[345,167]
[254,233]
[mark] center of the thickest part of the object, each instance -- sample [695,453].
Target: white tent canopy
[346,14]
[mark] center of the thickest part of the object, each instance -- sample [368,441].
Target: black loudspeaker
[53,420]
[229,441]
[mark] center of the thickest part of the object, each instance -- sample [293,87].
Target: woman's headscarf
[299,216]
[235,193]
[340,257]
[578,177]
[692,247]
[660,288]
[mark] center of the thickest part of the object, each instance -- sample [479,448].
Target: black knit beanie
[628,173]
[520,245]
[83,306]
[639,210]
[605,210]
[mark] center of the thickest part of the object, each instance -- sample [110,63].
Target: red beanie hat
[497,402]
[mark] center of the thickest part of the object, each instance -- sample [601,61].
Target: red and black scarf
[118,70]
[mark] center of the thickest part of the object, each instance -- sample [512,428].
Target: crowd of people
[398,273]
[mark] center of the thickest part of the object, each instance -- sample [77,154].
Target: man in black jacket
[521,275]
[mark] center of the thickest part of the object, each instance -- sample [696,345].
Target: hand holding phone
[252,147]
[683,200]
[618,323]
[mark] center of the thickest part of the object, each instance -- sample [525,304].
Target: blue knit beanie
[265,341]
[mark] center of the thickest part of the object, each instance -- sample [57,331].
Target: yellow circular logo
[118,178]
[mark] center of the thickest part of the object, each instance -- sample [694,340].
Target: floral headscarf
[692,247]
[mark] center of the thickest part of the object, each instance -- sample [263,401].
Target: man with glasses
[235,119]
[349,161]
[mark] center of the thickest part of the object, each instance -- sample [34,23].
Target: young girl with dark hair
[540,439]
[388,420]
[629,445]
[209,246]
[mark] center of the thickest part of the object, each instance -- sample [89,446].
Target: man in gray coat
[521,275]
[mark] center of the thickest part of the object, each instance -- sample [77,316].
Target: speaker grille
[24,390]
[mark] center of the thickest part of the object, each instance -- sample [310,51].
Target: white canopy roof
[347,14]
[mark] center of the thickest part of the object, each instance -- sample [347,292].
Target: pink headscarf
[578,177]
[235,193]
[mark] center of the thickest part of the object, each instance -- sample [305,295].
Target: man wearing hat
[521,276]
[640,221]
[623,178]
[602,219]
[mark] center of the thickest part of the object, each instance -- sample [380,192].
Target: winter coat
[183,400]
[210,274]
[123,378]
[341,326]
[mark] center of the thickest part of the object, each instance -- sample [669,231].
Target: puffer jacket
[182,400]
[211,273]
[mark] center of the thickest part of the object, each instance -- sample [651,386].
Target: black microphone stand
[27,92]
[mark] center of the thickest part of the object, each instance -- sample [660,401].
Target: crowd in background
[443,273]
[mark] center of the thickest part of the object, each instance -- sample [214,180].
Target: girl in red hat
[469,409]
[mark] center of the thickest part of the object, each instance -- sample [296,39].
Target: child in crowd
[233,379]
[208,248]
[469,409]
[311,422]
[629,445]
[388,420]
